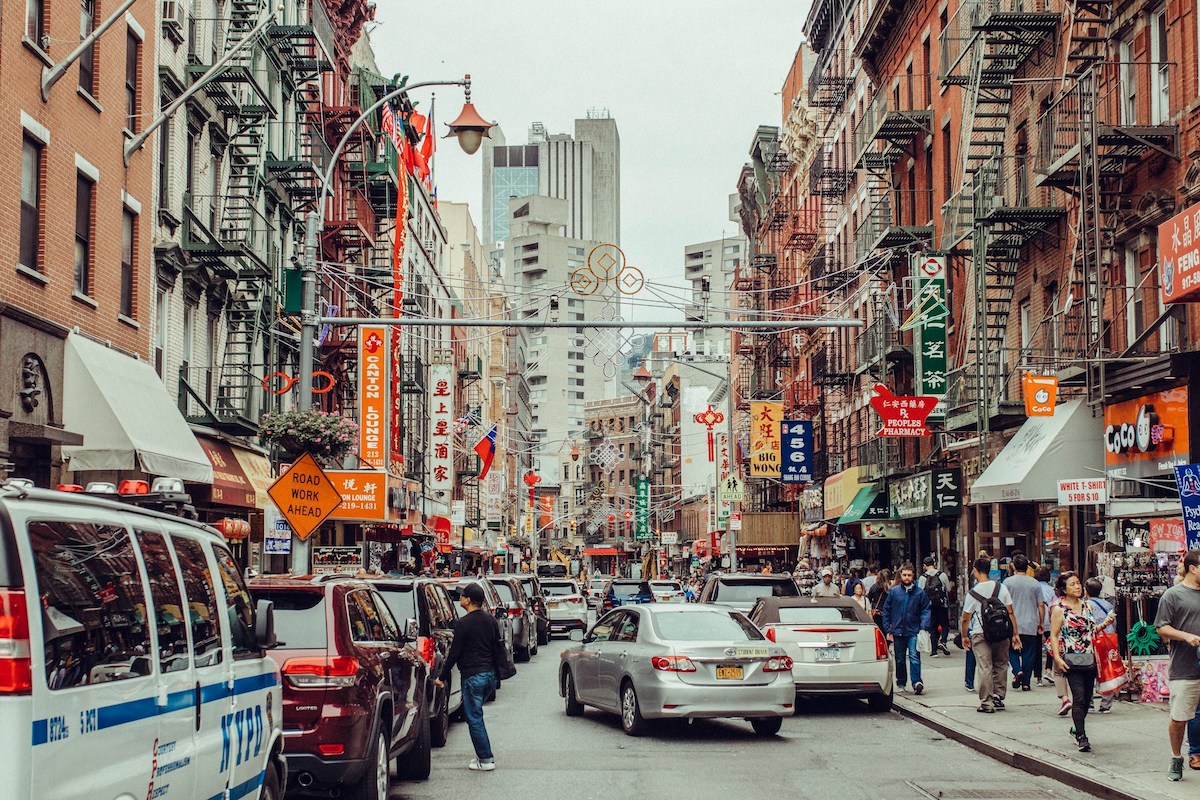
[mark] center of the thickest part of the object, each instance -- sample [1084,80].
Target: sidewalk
[1130,750]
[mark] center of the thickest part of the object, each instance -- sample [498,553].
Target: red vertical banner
[372,395]
[399,239]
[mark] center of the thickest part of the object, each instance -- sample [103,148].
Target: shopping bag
[1110,676]
[924,645]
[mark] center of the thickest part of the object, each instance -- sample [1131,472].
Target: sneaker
[969,688]
[986,710]
[1105,708]
[945,650]
[1083,744]
[900,687]
[998,703]
[918,687]
[1175,771]
[1024,687]
[1040,683]
[1065,708]
[481,766]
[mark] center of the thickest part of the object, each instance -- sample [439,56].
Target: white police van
[132,664]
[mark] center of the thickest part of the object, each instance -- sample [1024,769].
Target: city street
[832,749]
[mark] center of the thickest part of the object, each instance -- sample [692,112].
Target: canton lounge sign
[937,493]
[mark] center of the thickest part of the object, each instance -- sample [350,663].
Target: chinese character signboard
[902,416]
[372,396]
[812,504]
[929,320]
[764,439]
[1187,478]
[364,494]
[937,493]
[1147,436]
[1041,395]
[1179,257]
[642,510]
[725,465]
[395,462]
[493,488]
[796,438]
[947,492]
[441,428]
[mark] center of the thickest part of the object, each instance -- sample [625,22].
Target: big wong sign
[765,444]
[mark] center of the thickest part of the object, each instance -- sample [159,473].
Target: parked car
[668,592]
[355,694]
[742,590]
[426,615]
[533,590]
[89,692]
[565,604]
[677,660]
[524,628]
[836,647]
[626,591]
[596,589]
[492,603]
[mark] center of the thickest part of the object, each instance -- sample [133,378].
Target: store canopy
[602,551]
[231,486]
[859,506]
[1067,445]
[127,419]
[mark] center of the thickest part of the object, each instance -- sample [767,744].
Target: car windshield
[597,586]
[630,587]
[732,590]
[665,586]
[401,601]
[816,615]
[299,618]
[706,626]
[505,591]
[558,589]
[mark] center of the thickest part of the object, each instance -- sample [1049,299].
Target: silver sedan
[673,661]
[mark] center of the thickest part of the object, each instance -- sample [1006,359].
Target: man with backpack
[937,589]
[989,624]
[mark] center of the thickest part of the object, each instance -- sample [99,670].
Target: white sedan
[678,661]
[668,591]
[565,605]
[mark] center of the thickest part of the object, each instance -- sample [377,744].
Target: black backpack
[935,590]
[993,616]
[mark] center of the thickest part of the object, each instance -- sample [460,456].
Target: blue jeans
[1024,661]
[475,690]
[907,644]
[1193,734]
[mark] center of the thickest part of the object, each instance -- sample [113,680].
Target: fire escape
[997,206]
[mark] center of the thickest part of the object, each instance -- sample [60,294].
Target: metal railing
[899,217]
[899,107]
[873,344]
[877,458]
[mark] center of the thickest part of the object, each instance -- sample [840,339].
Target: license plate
[828,654]
[552,605]
[732,672]
[751,652]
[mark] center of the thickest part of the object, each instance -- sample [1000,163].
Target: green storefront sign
[642,511]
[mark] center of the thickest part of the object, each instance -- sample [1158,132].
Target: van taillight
[16,668]
[335,672]
[425,648]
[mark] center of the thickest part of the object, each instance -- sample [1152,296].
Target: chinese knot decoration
[710,418]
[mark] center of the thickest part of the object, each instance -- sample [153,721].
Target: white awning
[1046,449]
[127,419]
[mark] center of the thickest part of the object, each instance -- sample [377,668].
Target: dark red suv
[354,692]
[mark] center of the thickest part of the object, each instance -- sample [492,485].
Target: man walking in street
[989,624]
[1178,623]
[905,614]
[1029,610]
[826,587]
[473,649]
[937,588]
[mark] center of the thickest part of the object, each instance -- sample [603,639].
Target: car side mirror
[501,612]
[264,625]
[575,635]
[411,630]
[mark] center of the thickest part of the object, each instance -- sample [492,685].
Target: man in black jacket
[474,651]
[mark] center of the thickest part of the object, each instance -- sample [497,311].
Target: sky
[687,83]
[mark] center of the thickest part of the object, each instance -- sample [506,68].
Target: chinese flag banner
[765,445]
[1041,395]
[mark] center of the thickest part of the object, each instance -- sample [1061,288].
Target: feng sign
[796,436]
[441,428]
[931,316]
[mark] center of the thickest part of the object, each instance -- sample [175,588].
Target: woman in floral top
[1072,627]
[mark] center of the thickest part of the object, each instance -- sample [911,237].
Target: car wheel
[632,721]
[521,653]
[767,726]
[574,707]
[373,785]
[880,702]
[544,638]
[417,762]
[439,728]
[270,788]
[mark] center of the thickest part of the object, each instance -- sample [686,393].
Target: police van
[132,662]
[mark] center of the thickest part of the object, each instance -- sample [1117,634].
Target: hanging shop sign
[1083,492]
[724,465]
[493,495]
[840,490]
[812,504]
[1179,257]
[364,494]
[929,321]
[231,486]
[902,416]
[1147,436]
[372,396]
[441,428]
[765,445]
[796,436]
[1187,479]
[1041,395]
[882,530]
[642,511]
[937,493]
[458,513]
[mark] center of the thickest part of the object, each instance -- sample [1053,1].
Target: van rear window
[401,601]
[299,618]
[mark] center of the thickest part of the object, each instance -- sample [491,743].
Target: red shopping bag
[1110,675]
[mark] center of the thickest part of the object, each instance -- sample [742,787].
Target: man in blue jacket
[905,613]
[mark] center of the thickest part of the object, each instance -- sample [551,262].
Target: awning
[861,505]
[258,470]
[231,486]
[127,419]
[601,551]
[1045,449]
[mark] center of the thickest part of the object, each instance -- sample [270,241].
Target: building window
[1129,87]
[947,164]
[164,162]
[189,336]
[133,49]
[1160,79]
[87,61]
[31,201]
[35,21]
[128,248]
[1133,296]
[84,193]
[1026,322]
[163,314]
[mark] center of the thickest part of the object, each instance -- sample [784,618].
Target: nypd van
[132,662]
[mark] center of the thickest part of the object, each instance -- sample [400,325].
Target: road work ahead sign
[305,496]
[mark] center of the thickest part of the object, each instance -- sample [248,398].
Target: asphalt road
[830,749]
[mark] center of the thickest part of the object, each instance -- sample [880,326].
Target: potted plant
[329,437]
